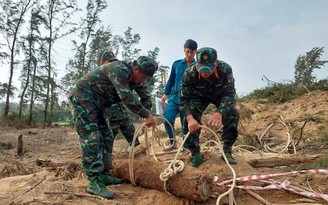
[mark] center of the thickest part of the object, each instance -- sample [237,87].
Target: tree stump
[20,145]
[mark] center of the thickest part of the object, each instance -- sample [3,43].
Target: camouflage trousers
[96,138]
[126,126]
[118,119]
[230,128]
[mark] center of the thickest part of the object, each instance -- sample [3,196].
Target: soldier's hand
[193,125]
[164,97]
[150,121]
[215,120]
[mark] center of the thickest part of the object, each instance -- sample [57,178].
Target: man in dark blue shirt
[173,86]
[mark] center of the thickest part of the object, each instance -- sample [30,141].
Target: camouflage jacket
[112,83]
[117,111]
[218,89]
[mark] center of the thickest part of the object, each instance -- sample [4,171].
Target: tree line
[31,28]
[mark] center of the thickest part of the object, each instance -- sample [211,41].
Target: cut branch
[14,199]
[282,161]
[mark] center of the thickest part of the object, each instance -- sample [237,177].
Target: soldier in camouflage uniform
[98,89]
[119,119]
[209,81]
[116,114]
[107,57]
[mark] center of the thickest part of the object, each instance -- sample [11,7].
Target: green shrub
[320,85]
[276,93]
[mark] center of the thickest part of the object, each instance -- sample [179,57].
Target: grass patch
[5,156]
[61,123]
[323,134]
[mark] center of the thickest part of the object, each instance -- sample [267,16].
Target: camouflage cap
[108,56]
[206,60]
[147,65]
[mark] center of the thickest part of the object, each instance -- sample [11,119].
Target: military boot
[108,179]
[227,152]
[196,159]
[136,143]
[96,187]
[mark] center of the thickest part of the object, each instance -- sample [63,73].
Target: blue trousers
[171,111]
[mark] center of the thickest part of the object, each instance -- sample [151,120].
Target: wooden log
[282,161]
[48,163]
[191,183]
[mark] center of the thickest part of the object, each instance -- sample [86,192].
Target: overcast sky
[256,37]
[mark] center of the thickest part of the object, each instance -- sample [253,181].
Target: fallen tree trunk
[191,183]
[282,161]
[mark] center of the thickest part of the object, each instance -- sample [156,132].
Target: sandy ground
[49,172]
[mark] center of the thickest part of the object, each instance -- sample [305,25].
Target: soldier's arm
[120,80]
[185,94]
[228,99]
[144,94]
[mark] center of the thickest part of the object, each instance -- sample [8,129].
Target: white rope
[151,140]
[131,153]
[176,165]
[266,148]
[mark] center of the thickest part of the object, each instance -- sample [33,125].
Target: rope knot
[173,168]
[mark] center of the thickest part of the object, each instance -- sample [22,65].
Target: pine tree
[306,64]
[57,21]
[29,46]
[128,44]
[93,40]
[11,24]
